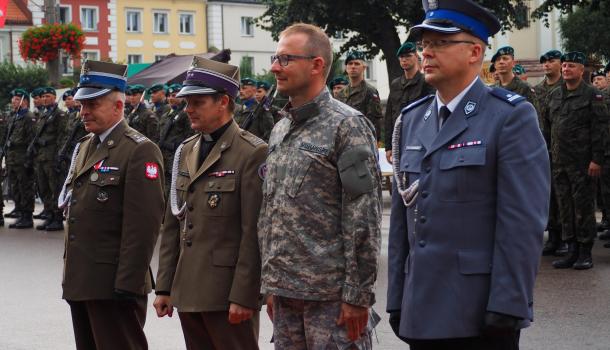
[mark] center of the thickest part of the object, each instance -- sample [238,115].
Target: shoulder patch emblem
[152,171]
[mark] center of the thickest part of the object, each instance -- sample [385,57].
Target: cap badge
[432,4]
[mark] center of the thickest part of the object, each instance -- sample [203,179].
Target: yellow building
[148,30]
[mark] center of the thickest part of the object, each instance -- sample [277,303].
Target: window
[88,18]
[247,26]
[134,59]
[90,55]
[369,74]
[159,58]
[186,23]
[522,16]
[134,21]
[65,14]
[160,24]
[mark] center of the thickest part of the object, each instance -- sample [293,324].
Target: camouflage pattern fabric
[365,99]
[261,126]
[144,121]
[522,88]
[575,193]
[21,178]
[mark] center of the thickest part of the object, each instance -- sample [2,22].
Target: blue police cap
[100,78]
[455,16]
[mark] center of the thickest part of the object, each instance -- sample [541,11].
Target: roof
[17,13]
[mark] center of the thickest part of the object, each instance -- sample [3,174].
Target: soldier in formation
[504,62]
[141,118]
[259,120]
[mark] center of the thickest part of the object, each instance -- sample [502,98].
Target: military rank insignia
[213,200]
[152,171]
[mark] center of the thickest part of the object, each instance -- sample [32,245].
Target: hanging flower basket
[45,42]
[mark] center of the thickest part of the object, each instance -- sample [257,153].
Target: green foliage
[267,77]
[245,67]
[66,82]
[586,30]
[13,77]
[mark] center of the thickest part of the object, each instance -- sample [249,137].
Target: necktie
[443,115]
[95,141]
[204,150]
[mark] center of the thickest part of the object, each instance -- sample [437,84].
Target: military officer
[359,94]
[262,89]
[216,187]
[472,190]
[576,122]
[551,64]
[158,97]
[260,124]
[114,199]
[19,134]
[50,130]
[504,61]
[337,84]
[319,270]
[408,88]
[141,118]
[175,128]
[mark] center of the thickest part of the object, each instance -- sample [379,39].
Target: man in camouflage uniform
[39,108]
[262,89]
[20,173]
[263,122]
[404,90]
[141,118]
[504,61]
[175,128]
[599,80]
[359,94]
[551,64]
[576,122]
[520,72]
[50,130]
[158,97]
[75,130]
[338,84]
[319,269]
[5,116]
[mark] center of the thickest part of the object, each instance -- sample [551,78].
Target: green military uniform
[605,178]
[75,130]
[522,88]
[175,127]
[50,130]
[145,121]
[160,108]
[365,99]
[4,121]
[262,124]
[576,123]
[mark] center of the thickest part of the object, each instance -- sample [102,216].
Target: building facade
[18,20]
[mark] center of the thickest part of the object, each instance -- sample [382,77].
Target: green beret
[248,82]
[407,47]
[338,81]
[263,85]
[519,69]
[506,50]
[135,89]
[494,58]
[492,68]
[550,55]
[157,87]
[597,74]
[607,69]
[174,88]
[354,55]
[37,92]
[49,90]
[574,56]
[20,93]
[67,93]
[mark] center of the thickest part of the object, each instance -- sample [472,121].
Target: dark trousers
[109,324]
[212,331]
[508,342]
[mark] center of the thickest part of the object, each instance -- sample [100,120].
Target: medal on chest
[213,200]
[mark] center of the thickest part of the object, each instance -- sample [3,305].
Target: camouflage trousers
[21,182]
[312,325]
[49,183]
[604,186]
[575,195]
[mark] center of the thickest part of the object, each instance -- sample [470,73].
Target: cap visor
[195,90]
[415,32]
[87,93]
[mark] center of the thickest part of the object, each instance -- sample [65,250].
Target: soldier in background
[359,94]
[520,72]
[75,130]
[158,98]
[175,128]
[49,132]
[504,61]
[262,88]
[576,122]
[404,90]
[141,118]
[599,80]
[20,173]
[5,116]
[494,74]
[38,102]
[338,84]
[551,64]
[263,122]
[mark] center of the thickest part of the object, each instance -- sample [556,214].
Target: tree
[373,23]
[245,67]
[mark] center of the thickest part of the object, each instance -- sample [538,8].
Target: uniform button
[422,243]
[190,225]
[72,220]
[72,202]
[71,237]
[428,169]
[406,163]
[425,194]
[189,243]
[191,208]
[422,220]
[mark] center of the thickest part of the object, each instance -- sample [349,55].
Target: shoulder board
[135,136]
[507,96]
[86,137]
[190,138]
[251,138]
[417,103]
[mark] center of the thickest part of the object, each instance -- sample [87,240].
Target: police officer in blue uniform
[471,198]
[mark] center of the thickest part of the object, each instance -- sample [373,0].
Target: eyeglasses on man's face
[440,44]
[285,59]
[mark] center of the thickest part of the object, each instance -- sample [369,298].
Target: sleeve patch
[152,171]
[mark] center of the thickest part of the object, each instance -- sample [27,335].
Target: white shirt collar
[456,100]
[105,134]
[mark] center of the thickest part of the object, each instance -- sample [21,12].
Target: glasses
[285,59]
[439,44]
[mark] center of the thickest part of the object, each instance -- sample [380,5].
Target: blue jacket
[472,243]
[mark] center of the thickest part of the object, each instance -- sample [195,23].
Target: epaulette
[86,137]
[507,96]
[252,139]
[190,138]
[135,136]
[416,103]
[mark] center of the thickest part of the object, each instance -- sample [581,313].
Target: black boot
[551,244]
[25,221]
[585,260]
[570,259]
[57,222]
[607,245]
[603,225]
[1,221]
[562,249]
[604,235]
[46,223]
[43,215]
[13,214]
[15,222]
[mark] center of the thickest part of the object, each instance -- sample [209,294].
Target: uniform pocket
[220,196]
[462,174]
[298,174]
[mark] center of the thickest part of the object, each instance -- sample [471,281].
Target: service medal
[94,177]
[102,196]
[214,200]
